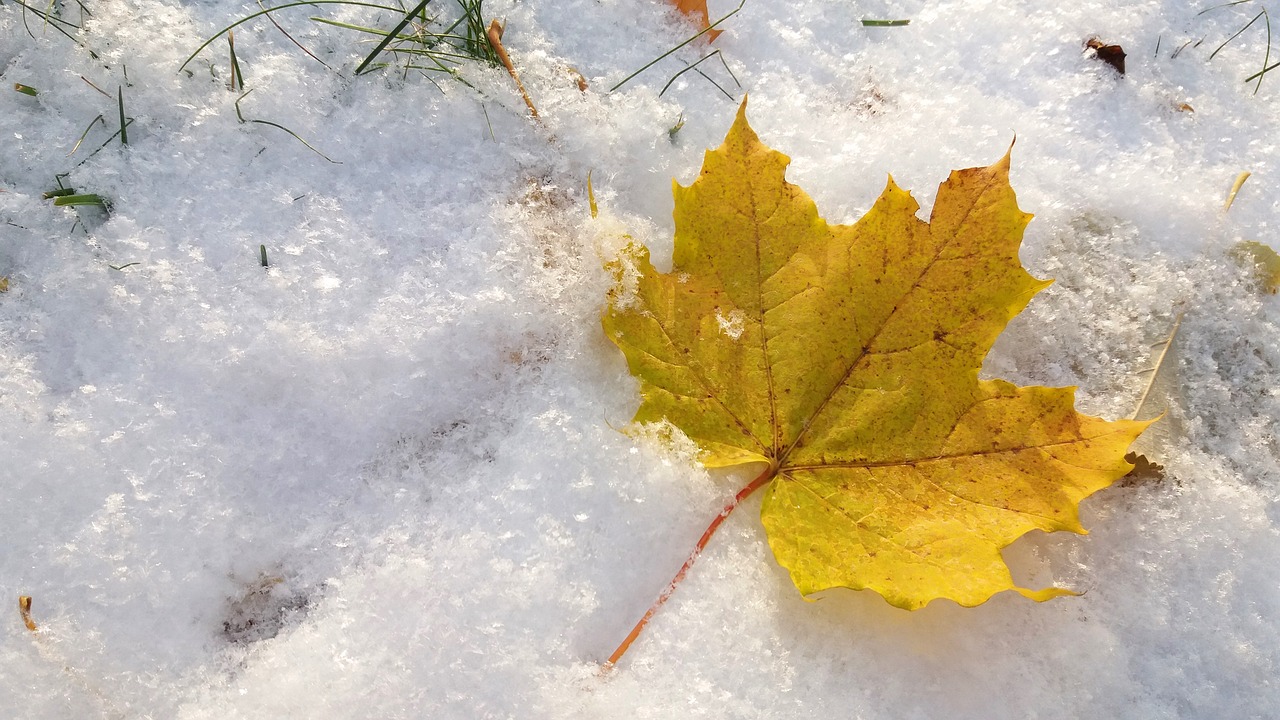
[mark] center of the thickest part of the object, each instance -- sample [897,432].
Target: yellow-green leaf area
[846,357]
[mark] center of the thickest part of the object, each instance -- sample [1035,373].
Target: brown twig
[495,40]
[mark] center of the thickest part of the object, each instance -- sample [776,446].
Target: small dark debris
[268,605]
[1112,55]
[1144,471]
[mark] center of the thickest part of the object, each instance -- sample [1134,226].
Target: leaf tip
[1002,165]
[740,119]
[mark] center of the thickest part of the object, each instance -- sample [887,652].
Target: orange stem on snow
[729,507]
[495,41]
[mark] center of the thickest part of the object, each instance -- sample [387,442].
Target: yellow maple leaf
[846,357]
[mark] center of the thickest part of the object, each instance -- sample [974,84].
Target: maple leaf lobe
[853,371]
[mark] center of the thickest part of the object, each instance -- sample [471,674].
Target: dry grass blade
[1155,371]
[1235,188]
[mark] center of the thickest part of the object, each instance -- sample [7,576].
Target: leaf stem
[760,481]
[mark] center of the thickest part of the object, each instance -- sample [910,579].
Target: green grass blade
[124,134]
[292,40]
[74,200]
[85,134]
[404,22]
[1233,37]
[103,145]
[349,26]
[664,55]
[237,77]
[298,138]
[1262,72]
[708,56]
[1265,58]
[1223,5]
[269,10]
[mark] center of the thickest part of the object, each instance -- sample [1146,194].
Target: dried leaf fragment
[846,358]
[1265,263]
[1144,471]
[1235,190]
[24,609]
[1112,55]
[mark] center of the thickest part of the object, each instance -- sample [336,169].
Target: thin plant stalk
[104,144]
[267,11]
[105,94]
[708,56]
[85,134]
[237,77]
[664,55]
[1155,371]
[295,42]
[404,22]
[295,135]
[124,133]
[1262,72]
[1237,34]
[1267,57]
[1223,5]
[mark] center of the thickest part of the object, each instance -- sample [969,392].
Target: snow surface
[383,477]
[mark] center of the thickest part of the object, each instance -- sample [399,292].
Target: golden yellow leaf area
[846,357]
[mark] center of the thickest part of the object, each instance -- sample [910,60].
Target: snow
[383,477]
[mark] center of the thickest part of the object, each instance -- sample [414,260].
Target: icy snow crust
[382,477]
